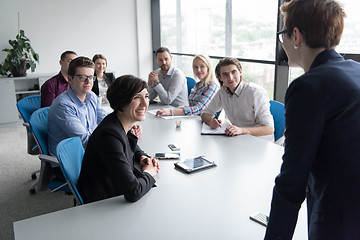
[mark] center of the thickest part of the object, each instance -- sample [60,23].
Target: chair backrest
[277,109]
[70,153]
[27,105]
[39,125]
[190,84]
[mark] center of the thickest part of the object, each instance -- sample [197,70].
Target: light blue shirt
[69,117]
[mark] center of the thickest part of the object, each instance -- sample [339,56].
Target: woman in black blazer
[322,139]
[102,79]
[108,165]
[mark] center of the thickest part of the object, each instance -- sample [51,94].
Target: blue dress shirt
[69,117]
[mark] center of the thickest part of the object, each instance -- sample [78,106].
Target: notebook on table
[206,130]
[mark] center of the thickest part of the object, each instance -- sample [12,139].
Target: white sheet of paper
[153,112]
[207,130]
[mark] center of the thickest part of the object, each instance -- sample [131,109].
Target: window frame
[281,76]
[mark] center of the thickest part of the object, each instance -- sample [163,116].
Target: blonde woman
[203,91]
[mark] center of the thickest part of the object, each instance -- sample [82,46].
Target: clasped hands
[153,78]
[150,165]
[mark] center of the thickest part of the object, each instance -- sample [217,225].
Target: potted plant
[20,57]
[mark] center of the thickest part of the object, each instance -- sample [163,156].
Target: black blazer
[322,153]
[108,165]
[108,77]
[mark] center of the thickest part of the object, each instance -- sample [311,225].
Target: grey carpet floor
[16,203]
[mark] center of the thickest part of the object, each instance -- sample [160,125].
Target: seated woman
[102,79]
[108,165]
[203,91]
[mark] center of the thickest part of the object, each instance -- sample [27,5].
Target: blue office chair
[70,153]
[26,106]
[277,109]
[190,84]
[39,125]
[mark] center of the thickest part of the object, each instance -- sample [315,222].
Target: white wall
[119,29]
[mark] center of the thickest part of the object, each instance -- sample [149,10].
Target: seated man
[246,104]
[168,82]
[75,112]
[59,83]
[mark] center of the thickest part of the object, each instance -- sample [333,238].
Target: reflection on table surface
[210,204]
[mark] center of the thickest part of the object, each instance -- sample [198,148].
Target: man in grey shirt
[168,82]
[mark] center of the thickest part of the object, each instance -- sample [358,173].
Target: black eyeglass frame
[280,35]
[83,78]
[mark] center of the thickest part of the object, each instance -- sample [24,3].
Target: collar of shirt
[75,99]
[169,72]
[238,89]
[62,79]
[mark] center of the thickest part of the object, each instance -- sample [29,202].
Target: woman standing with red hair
[322,153]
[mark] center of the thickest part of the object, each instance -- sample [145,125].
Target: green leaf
[21,50]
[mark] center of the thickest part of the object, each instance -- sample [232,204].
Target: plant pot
[19,71]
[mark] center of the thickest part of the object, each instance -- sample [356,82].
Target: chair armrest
[48,158]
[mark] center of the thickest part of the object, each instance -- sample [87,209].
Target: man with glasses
[75,112]
[58,83]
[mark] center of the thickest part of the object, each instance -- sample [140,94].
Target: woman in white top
[102,79]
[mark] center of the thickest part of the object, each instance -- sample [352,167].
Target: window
[238,28]
[350,39]
[223,28]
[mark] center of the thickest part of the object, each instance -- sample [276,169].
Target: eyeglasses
[83,78]
[280,35]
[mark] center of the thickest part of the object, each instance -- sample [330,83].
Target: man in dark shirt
[58,83]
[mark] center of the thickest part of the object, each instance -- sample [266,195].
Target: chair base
[32,189]
[33,174]
[32,147]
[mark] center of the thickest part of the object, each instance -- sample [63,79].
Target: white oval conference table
[211,204]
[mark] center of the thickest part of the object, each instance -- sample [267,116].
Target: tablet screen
[196,163]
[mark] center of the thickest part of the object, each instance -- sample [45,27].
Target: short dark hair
[123,89]
[320,21]
[225,62]
[79,62]
[161,50]
[63,55]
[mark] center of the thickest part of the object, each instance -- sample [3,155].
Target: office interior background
[128,32]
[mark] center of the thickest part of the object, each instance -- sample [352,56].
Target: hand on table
[163,112]
[233,130]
